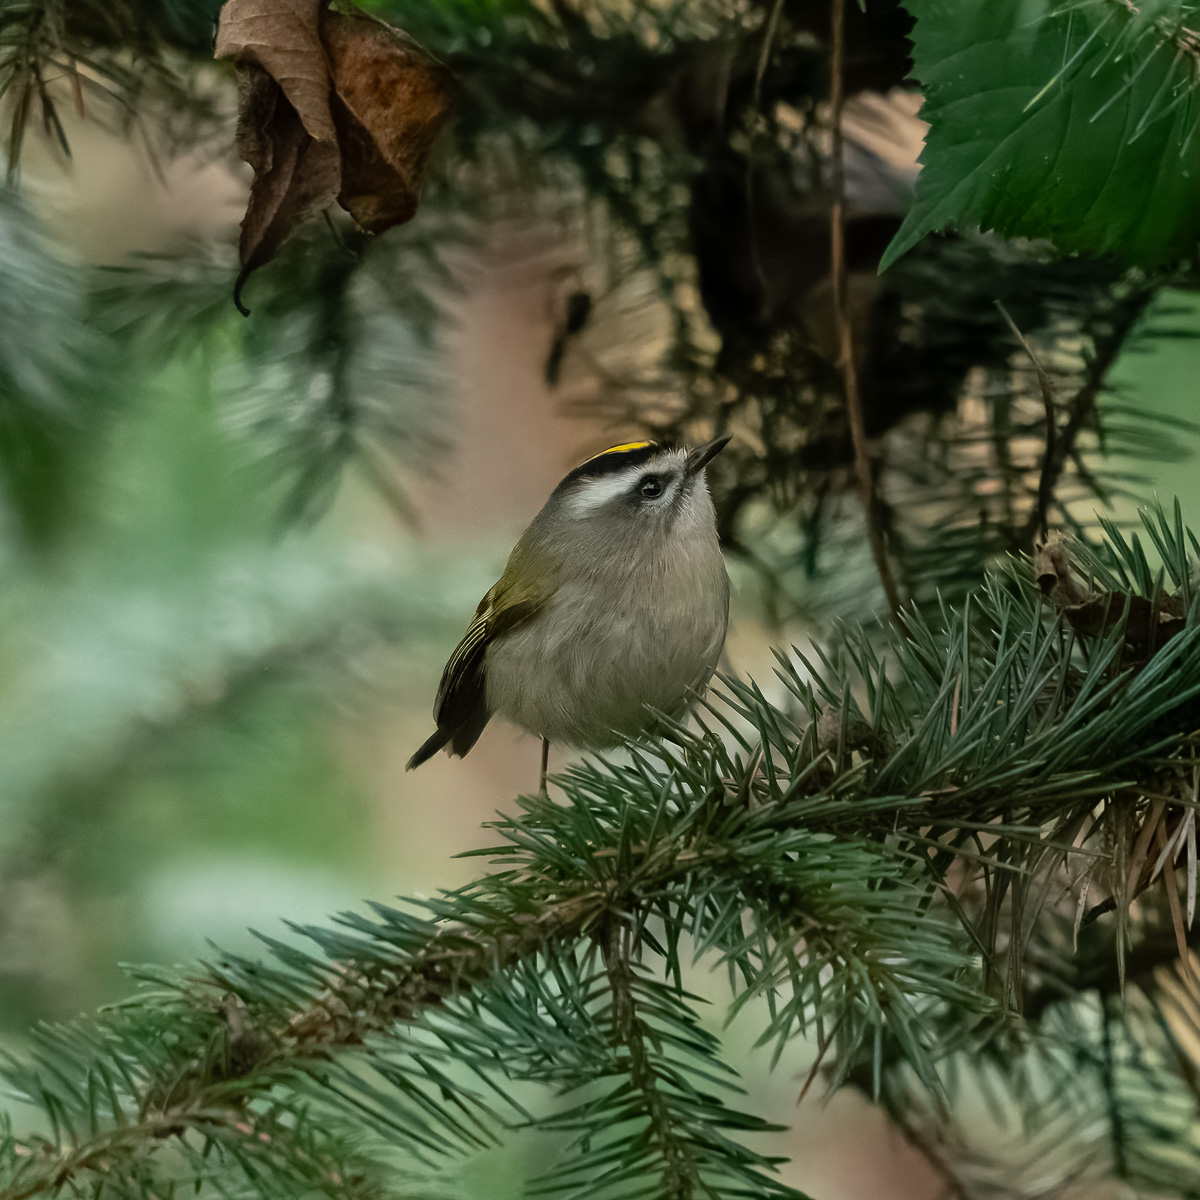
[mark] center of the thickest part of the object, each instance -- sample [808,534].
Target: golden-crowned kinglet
[613,603]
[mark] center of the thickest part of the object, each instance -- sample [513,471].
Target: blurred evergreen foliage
[169,675]
[945,853]
[49,399]
[691,142]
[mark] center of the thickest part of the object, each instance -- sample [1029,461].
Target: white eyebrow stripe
[595,493]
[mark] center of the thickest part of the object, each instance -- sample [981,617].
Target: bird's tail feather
[430,747]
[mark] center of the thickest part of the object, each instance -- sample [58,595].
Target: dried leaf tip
[332,107]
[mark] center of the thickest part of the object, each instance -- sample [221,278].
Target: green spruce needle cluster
[878,855]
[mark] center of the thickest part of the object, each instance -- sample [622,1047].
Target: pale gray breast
[648,631]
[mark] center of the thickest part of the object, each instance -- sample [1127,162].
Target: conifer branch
[680,1180]
[373,992]
[361,1002]
[811,853]
[56,1171]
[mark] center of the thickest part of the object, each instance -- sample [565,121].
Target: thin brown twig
[863,465]
[1172,890]
[1082,405]
[764,58]
[1045,492]
[764,54]
[77,88]
[825,1043]
[953,1187]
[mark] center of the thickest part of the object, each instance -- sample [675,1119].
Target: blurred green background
[204,715]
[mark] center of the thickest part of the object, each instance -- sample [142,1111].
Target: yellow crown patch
[623,448]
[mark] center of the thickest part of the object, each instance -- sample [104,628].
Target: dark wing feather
[461,710]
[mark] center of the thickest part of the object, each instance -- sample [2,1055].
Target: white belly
[587,670]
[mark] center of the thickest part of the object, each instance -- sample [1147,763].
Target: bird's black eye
[650,487]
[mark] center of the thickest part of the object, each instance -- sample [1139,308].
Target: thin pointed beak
[701,456]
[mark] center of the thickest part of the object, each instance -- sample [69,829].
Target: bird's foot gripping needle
[542,790]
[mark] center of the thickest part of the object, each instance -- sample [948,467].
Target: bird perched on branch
[612,608]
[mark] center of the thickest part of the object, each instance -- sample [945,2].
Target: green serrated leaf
[1071,122]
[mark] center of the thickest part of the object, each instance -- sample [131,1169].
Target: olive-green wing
[461,710]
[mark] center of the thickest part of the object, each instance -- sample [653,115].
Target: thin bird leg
[545,764]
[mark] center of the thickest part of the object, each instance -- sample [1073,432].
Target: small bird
[613,606]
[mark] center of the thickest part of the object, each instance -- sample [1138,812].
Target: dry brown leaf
[295,175]
[1052,567]
[332,106]
[283,37]
[1093,614]
[390,101]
